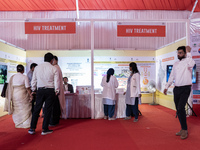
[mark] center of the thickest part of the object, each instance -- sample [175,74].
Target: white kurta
[109,89]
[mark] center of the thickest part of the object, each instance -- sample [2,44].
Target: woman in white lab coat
[109,84]
[133,92]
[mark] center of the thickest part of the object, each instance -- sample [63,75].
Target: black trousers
[33,103]
[55,114]
[43,95]
[132,109]
[181,95]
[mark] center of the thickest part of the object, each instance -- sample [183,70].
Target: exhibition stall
[97,44]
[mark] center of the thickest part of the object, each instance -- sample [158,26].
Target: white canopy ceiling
[105,34]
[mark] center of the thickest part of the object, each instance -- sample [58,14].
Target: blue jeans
[132,109]
[109,110]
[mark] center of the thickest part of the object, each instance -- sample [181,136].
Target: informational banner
[164,64]
[129,30]
[50,27]
[122,73]
[196,96]
[195,45]
[78,70]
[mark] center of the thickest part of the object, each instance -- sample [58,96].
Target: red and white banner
[50,27]
[141,30]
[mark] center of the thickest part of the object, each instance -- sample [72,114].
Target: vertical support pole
[77,11]
[188,32]
[92,72]
[190,99]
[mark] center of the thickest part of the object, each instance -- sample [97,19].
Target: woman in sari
[18,99]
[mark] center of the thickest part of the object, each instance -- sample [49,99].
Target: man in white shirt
[182,75]
[46,79]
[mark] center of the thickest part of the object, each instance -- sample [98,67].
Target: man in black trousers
[46,79]
[182,75]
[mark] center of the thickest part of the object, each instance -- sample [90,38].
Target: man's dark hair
[20,68]
[33,65]
[48,57]
[182,48]
[55,57]
[65,77]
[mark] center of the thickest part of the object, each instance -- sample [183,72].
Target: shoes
[45,132]
[127,118]
[105,117]
[31,131]
[135,120]
[179,133]
[111,118]
[53,125]
[184,134]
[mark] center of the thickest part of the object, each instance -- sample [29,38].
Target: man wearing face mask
[182,75]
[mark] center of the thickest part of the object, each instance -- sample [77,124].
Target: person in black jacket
[67,86]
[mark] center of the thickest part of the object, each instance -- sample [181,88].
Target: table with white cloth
[78,105]
[120,106]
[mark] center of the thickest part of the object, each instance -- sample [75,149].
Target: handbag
[3,92]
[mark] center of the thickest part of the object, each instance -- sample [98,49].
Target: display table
[78,105]
[120,106]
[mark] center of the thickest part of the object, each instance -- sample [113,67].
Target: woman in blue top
[133,92]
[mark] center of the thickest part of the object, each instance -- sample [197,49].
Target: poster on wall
[164,65]
[8,64]
[122,73]
[3,73]
[78,70]
[195,45]
[196,96]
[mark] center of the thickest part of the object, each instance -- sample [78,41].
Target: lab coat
[135,89]
[109,89]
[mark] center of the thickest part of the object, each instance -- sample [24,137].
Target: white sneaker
[105,117]
[45,132]
[31,131]
[111,118]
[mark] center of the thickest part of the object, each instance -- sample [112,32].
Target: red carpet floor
[155,131]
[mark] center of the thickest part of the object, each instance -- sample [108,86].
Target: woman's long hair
[109,73]
[134,67]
